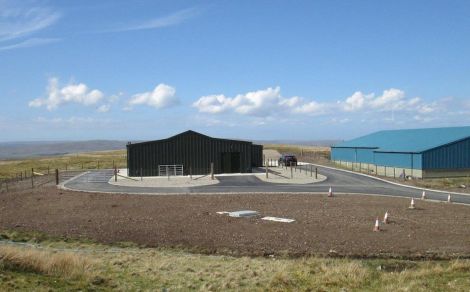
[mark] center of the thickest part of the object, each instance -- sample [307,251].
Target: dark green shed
[192,151]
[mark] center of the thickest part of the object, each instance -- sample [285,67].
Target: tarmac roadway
[339,180]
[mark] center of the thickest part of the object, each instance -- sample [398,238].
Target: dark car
[288,159]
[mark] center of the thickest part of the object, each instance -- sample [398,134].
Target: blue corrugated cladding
[404,160]
[452,156]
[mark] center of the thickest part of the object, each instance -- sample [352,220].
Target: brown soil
[339,226]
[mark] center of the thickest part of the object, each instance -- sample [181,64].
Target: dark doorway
[230,162]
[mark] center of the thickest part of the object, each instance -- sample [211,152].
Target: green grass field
[82,265]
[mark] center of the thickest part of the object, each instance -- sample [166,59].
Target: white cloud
[163,96]
[356,101]
[312,107]
[104,108]
[18,20]
[260,103]
[160,22]
[30,43]
[391,100]
[72,93]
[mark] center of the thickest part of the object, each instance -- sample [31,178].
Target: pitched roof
[410,140]
[188,132]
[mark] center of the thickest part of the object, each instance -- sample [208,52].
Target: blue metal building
[431,152]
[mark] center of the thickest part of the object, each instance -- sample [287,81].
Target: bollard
[115,174]
[141,173]
[316,173]
[190,173]
[266,170]
[56,176]
[212,170]
[167,173]
[291,174]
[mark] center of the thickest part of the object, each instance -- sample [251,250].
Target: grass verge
[145,269]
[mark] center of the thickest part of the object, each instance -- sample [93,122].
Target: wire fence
[33,179]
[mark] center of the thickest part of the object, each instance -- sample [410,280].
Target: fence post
[212,170]
[115,174]
[56,176]
[32,178]
[266,166]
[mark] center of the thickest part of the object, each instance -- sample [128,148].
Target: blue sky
[132,70]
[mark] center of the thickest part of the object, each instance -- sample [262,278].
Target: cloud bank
[71,93]
[162,96]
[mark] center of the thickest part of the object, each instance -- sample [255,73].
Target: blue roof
[411,140]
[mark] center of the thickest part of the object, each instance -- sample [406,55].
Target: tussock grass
[62,264]
[146,269]
[90,160]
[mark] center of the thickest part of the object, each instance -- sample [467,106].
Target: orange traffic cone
[412,204]
[423,196]
[377,226]
[330,193]
[449,199]
[386,218]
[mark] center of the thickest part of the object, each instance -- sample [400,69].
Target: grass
[90,160]
[146,269]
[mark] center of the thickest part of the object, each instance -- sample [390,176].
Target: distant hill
[324,143]
[15,150]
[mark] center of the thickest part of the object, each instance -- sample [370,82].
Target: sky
[260,70]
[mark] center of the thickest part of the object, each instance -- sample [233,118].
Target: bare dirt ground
[339,226]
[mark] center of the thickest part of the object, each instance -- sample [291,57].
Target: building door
[230,162]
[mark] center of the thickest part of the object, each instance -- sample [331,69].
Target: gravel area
[338,226]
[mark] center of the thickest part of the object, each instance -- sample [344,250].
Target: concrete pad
[243,213]
[283,175]
[162,181]
[277,219]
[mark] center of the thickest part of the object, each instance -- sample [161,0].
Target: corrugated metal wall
[452,156]
[364,155]
[257,155]
[190,149]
